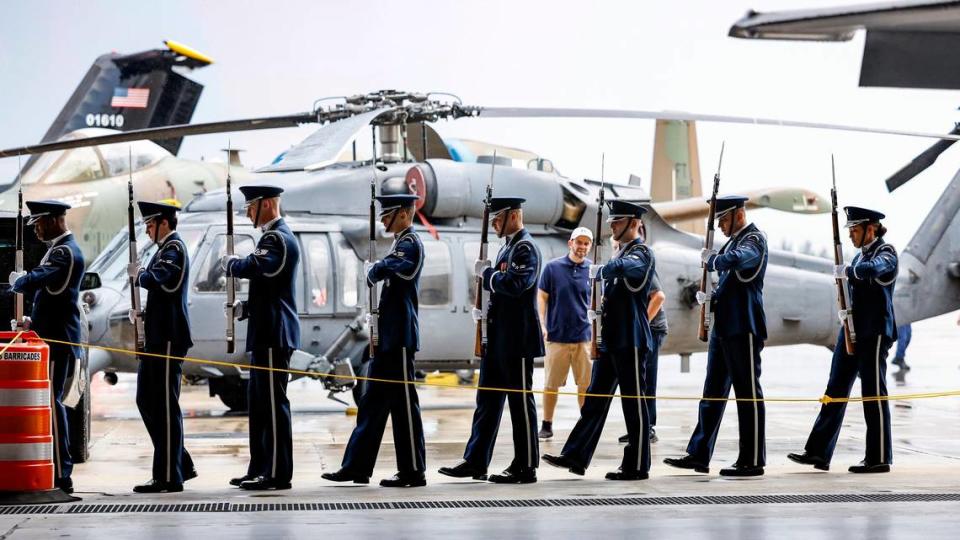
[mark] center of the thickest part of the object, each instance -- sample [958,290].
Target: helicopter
[325,204]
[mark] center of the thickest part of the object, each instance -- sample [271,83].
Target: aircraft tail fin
[676,167]
[134,91]
[929,278]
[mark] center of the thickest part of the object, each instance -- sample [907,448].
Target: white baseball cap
[582,231]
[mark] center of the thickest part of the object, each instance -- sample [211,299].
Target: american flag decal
[134,98]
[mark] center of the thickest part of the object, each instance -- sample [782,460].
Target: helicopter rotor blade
[920,163]
[537,112]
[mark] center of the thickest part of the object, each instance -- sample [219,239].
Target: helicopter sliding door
[208,294]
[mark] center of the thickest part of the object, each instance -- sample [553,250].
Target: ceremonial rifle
[596,300]
[706,284]
[480,308]
[849,336]
[373,309]
[135,305]
[18,320]
[231,282]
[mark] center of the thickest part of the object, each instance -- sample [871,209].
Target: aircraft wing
[325,144]
[793,200]
[909,44]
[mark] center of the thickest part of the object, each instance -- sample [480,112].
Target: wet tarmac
[919,498]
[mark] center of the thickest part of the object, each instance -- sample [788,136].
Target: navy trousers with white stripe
[626,369]
[870,363]
[514,373]
[732,361]
[382,399]
[61,366]
[158,399]
[271,434]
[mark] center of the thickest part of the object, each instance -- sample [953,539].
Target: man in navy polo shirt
[563,300]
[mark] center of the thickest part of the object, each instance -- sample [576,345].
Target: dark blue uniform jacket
[626,286]
[871,277]
[271,304]
[165,278]
[400,271]
[512,318]
[55,286]
[737,303]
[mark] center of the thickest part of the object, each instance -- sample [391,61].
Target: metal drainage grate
[119,508]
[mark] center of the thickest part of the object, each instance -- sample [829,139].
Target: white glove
[133,269]
[592,315]
[225,261]
[595,270]
[479,266]
[133,315]
[842,314]
[367,265]
[14,276]
[840,271]
[234,310]
[703,297]
[706,254]
[476,314]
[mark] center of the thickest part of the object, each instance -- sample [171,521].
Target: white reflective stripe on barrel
[24,397]
[26,452]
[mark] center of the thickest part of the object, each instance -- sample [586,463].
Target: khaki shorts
[561,358]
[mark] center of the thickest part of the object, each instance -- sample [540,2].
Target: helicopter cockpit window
[320,277]
[436,274]
[348,274]
[210,277]
[117,157]
[77,165]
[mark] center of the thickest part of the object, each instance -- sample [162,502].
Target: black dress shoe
[624,439]
[564,462]
[65,484]
[345,475]
[262,483]
[687,462]
[620,474]
[807,459]
[864,467]
[742,470]
[405,480]
[510,476]
[157,486]
[240,479]
[464,470]
[190,475]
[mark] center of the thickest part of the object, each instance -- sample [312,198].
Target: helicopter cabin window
[348,273]
[77,165]
[471,250]
[435,276]
[212,278]
[319,279]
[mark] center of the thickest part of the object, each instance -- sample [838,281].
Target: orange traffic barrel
[26,441]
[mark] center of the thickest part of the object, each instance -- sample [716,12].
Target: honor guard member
[736,339]
[273,333]
[870,277]
[626,341]
[513,341]
[393,359]
[166,323]
[55,285]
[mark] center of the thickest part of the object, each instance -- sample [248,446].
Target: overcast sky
[278,57]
